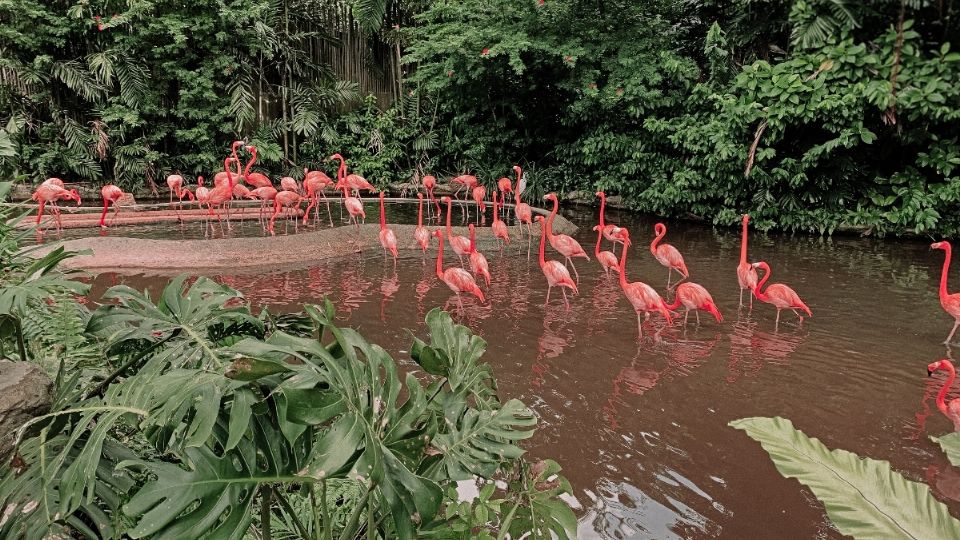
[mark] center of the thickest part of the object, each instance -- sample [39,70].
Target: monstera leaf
[863,497]
[950,444]
[541,513]
[36,280]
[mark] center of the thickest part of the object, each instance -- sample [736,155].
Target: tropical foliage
[864,498]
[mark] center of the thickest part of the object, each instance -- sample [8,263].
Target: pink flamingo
[607,260]
[460,245]
[641,296]
[556,273]
[479,193]
[464,181]
[111,194]
[667,255]
[285,199]
[353,181]
[504,186]
[266,195]
[175,183]
[567,246]
[287,183]
[458,279]
[420,233]
[220,178]
[314,182]
[746,273]
[222,194]
[387,239]
[695,297]
[478,263]
[49,193]
[499,228]
[950,302]
[609,229]
[779,295]
[950,410]
[430,183]
[255,179]
[522,210]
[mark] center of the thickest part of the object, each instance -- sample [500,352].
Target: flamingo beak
[929,372]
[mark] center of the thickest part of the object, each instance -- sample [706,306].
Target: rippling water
[640,427]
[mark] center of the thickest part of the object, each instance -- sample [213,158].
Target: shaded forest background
[810,114]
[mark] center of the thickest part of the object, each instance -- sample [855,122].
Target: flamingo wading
[952,409]
[458,279]
[950,302]
[746,273]
[779,295]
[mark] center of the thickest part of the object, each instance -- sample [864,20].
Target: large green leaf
[950,444]
[541,512]
[863,497]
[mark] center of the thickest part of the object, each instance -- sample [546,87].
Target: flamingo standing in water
[314,182]
[220,179]
[952,409]
[479,193]
[421,234]
[950,302]
[111,195]
[522,210]
[641,296]
[50,192]
[607,260]
[460,245]
[556,273]
[464,181]
[478,263]
[223,193]
[504,186]
[668,255]
[499,228]
[695,297]
[458,279]
[285,199]
[567,246]
[746,273]
[779,295]
[175,183]
[387,239]
[430,183]
[266,195]
[610,231]
[255,179]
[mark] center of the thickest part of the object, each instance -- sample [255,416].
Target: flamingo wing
[567,246]
[783,296]
[459,280]
[557,274]
[747,276]
[607,259]
[670,257]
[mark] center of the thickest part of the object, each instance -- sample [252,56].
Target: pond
[640,427]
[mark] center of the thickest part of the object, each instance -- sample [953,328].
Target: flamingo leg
[698,317]
[685,316]
[669,275]
[952,332]
[639,326]
[549,288]
[565,301]
[329,215]
[776,324]
[741,296]
[569,260]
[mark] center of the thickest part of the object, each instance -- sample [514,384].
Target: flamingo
[607,260]
[641,296]
[499,228]
[950,410]
[257,180]
[49,193]
[695,297]
[460,245]
[667,255]
[222,194]
[220,178]
[314,182]
[111,194]
[287,183]
[779,295]
[264,194]
[354,181]
[478,263]
[458,279]
[609,229]
[746,273]
[429,183]
[479,193]
[285,199]
[567,246]
[521,209]
[420,233]
[387,239]
[503,184]
[465,181]
[555,272]
[950,302]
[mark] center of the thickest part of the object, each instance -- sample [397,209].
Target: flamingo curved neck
[549,225]
[440,258]
[758,291]
[946,270]
[383,218]
[543,241]
[596,250]
[603,204]
[226,167]
[656,241]
[623,266]
[941,397]
[253,159]
[420,213]
[743,242]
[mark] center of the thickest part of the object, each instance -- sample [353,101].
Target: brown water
[640,427]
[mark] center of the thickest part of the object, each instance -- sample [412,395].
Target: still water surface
[640,427]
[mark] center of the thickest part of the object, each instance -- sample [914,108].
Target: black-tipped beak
[929,373]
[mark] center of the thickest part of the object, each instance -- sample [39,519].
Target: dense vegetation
[810,114]
[193,417]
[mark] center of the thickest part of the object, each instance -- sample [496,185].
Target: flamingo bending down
[609,229]
[314,182]
[668,255]
[504,186]
[555,272]
[460,245]
[265,194]
[420,233]
[950,302]
[111,194]
[49,193]
[220,178]
[779,295]
[464,181]
[222,194]
[255,179]
[387,239]
[567,246]
[607,260]
[285,199]
[746,273]
[950,410]
[478,263]
[641,296]
[287,183]
[695,297]
[521,209]
[479,193]
[429,183]
[499,228]
[175,183]
[458,279]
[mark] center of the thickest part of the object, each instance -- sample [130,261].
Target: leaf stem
[349,531]
[102,387]
[265,513]
[327,524]
[293,515]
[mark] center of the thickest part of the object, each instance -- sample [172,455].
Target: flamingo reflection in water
[388,287]
[751,349]
[556,337]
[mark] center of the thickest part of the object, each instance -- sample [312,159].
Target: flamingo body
[695,297]
[949,409]
[779,295]
[667,255]
[556,273]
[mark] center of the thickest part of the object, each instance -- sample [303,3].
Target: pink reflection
[556,337]
[388,287]
[631,379]
[944,480]
[916,429]
[751,349]
[603,301]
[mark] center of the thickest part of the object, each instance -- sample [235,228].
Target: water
[640,427]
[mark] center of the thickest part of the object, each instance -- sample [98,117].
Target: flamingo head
[940,245]
[516,169]
[444,199]
[552,197]
[74,195]
[660,229]
[761,265]
[600,194]
[939,364]
[252,149]
[235,145]
[746,218]
[538,218]
[438,233]
[336,157]
[420,196]
[622,234]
